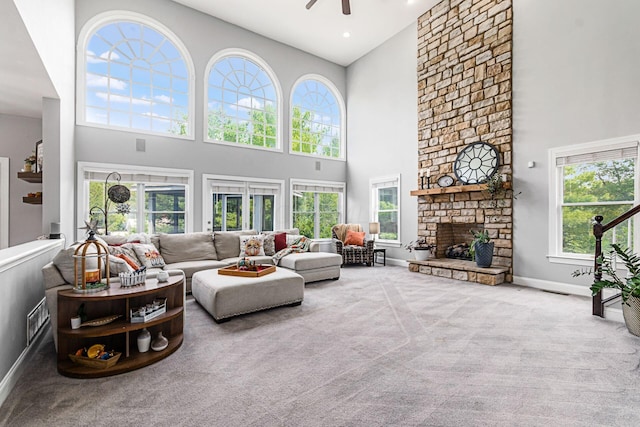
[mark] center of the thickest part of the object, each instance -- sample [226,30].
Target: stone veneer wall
[464,96]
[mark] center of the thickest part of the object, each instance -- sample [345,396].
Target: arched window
[317,118]
[243,101]
[135,74]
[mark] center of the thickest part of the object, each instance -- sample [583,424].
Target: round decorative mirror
[476,163]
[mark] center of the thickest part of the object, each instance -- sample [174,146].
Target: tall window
[317,117]
[592,179]
[159,201]
[316,207]
[242,203]
[385,207]
[242,101]
[134,74]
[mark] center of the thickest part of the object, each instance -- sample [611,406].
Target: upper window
[317,118]
[385,207]
[134,74]
[316,207]
[592,179]
[243,106]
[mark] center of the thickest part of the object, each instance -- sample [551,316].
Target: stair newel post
[597,270]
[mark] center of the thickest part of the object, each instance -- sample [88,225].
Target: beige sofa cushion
[190,267]
[187,247]
[310,260]
[227,243]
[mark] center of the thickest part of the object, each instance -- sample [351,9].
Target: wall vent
[36,319]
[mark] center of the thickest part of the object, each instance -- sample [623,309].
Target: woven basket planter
[631,313]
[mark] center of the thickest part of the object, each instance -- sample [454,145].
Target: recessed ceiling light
[346,34]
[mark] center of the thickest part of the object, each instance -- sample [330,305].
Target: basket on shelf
[95,363]
[134,278]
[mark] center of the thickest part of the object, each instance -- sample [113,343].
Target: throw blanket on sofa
[299,245]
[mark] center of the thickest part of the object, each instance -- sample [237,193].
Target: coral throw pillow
[280,240]
[354,238]
[129,261]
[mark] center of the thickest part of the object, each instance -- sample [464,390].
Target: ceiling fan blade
[311,3]
[346,7]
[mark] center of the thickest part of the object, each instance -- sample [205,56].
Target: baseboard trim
[398,262]
[10,380]
[547,285]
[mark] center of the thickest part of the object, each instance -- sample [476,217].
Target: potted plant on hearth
[629,286]
[481,248]
[421,249]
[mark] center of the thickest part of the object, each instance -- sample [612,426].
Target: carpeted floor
[379,347]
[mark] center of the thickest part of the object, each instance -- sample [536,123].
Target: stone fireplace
[464,96]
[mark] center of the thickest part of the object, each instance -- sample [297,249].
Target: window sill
[581,260]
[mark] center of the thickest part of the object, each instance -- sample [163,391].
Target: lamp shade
[374,228]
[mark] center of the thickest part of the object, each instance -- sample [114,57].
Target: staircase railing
[597,304]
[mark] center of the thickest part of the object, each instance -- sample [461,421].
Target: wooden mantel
[456,189]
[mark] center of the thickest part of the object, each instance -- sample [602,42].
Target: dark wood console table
[120,335]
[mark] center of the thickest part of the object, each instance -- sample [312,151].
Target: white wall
[383,129]
[51,27]
[575,79]
[203,36]
[19,137]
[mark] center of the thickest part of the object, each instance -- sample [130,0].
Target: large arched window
[243,101]
[134,74]
[317,118]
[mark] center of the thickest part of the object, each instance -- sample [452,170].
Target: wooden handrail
[597,308]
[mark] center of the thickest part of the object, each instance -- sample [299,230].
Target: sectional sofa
[189,253]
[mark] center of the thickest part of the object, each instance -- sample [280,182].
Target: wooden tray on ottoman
[261,271]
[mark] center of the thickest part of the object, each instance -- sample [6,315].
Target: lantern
[89,260]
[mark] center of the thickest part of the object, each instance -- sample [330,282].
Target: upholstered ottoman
[314,266]
[227,296]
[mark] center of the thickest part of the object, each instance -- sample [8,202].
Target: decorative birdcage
[90,263]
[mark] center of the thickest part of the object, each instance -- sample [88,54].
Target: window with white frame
[317,118]
[243,101]
[591,179]
[316,207]
[134,74]
[385,207]
[236,203]
[159,202]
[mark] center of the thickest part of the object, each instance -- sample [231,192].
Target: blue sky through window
[136,78]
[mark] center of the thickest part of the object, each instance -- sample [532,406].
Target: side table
[382,251]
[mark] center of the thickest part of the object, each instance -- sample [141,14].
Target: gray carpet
[379,347]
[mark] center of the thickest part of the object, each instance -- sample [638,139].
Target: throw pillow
[354,238]
[129,261]
[269,244]
[119,265]
[280,240]
[148,254]
[251,245]
[125,249]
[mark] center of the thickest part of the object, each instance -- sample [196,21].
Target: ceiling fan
[346,8]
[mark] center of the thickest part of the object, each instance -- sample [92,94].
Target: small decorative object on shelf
[445,181]
[163,276]
[90,260]
[149,311]
[159,343]
[29,163]
[133,278]
[144,340]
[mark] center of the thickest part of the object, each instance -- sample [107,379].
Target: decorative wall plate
[476,163]
[445,181]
